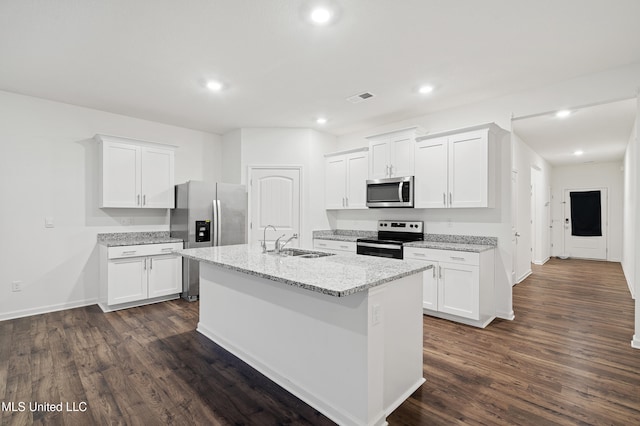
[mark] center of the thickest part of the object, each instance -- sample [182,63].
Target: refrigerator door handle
[219,224]
[217,227]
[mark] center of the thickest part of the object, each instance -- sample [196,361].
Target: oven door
[393,251]
[391,192]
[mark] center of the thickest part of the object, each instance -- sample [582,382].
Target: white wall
[231,152]
[586,176]
[631,254]
[48,167]
[529,165]
[629,241]
[282,146]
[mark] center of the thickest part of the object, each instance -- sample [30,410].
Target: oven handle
[384,246]
[400,192]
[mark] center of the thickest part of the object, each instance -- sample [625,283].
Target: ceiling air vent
[360,97]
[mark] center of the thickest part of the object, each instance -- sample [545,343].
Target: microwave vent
[360,97]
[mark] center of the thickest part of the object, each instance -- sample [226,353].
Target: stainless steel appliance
[206,215]
[392,234]
[390,192]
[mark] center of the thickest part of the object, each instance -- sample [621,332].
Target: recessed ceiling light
[578,152]
[321,120]
[320,16]
[563,113]
[214,86]
[425,89]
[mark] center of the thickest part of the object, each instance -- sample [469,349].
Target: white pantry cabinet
[135,174]
[460,287]
[345,179]
[456,169]
[334,245]
[139,274]
[391,154]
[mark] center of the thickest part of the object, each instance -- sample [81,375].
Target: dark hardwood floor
[565,359]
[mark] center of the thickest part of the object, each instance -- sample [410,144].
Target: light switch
[48,222]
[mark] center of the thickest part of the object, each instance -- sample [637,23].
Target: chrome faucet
[280,247]
[264,237]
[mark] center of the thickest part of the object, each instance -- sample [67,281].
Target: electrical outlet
[16,286]
[375,315]
[126,221]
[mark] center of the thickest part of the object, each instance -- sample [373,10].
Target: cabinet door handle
[450,199]
[138,200]
[167,249]
[419,254]
[344,247]
[433,270]
[444,199]
[145,264]
[129,252]
[144,200]
[150,263]
[387,172]
[322,244]
[390,170]
[457,258]
[440,272]
[347,201]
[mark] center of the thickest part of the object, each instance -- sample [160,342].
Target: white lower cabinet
[334,245]
[137,275]
[459,287]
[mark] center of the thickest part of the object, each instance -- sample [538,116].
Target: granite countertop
[468,243]
[343,235]
[338,275]
[136,238]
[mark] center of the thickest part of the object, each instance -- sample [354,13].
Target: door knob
[517,234]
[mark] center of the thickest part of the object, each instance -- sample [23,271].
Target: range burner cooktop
[391,236]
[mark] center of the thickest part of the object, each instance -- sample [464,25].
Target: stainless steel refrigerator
[206,215]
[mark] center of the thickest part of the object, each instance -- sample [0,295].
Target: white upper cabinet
[431,177]
[392,154]
[134,173]
[455,170]
[345,180]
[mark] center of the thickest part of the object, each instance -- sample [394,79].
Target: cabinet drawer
[449,256]
[143,250]
[349,246]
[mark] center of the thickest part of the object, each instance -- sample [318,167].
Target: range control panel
[203,231]
[400,226]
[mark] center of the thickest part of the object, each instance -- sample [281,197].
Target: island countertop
[337,275]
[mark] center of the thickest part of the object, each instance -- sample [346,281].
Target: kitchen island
[342,332]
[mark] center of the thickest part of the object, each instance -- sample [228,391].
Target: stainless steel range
[392,234]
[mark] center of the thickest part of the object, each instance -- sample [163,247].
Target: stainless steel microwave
[390,192]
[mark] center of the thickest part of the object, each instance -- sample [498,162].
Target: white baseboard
[524,276]
[484,321]
[541,262]
[111,308]
[635,343]
[46,309]
[510,316]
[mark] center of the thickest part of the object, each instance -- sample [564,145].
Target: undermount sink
[303,254]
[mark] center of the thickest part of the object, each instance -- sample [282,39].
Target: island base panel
[354,358]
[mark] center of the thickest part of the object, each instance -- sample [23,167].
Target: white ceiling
[150,58]
[602,132]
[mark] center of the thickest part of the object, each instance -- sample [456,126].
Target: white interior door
[274,195]
[576,243]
